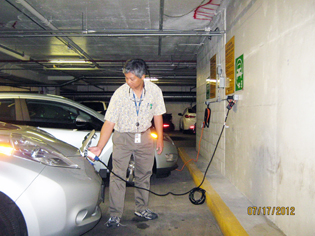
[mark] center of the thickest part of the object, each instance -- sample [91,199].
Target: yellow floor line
[226,219]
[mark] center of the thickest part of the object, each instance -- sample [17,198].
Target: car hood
[38,135]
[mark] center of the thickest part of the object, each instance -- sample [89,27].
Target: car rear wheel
[11,218]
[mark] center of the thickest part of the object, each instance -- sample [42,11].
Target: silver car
[70,122]
[46,186]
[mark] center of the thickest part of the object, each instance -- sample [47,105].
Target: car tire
[11,219]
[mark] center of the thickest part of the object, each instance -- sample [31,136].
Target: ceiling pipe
[161,25]
[107,33]
[47,23]
[36,13]
[119,62]
[149,34]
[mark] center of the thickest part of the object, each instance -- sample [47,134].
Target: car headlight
[36,150]
[6,149]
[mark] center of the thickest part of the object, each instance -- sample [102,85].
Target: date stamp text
[268,210]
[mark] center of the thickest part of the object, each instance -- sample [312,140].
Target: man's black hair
[136,66]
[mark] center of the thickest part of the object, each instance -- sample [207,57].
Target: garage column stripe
[226,219]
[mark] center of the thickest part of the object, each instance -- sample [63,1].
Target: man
[130,112]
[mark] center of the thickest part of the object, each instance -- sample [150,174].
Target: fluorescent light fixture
[60,77]
[12,53]
[151,79]
[211,80]
[69,62]
[93,68]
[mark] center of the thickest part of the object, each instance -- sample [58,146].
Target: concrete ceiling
[103,35]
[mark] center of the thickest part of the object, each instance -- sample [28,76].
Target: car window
[7,110]
[59,115]
[50,112]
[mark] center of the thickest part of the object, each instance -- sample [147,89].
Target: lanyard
[137,107]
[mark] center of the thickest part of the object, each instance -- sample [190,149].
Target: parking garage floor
[223,213]
[177,215]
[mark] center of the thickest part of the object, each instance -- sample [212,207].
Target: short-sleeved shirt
[122,109]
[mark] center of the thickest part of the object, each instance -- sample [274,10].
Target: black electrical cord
[191,192]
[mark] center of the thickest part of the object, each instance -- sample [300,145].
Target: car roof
[50,97]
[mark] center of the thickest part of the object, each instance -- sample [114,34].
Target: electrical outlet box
[235,97]
[222,82]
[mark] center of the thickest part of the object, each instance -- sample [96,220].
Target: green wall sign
[239,73]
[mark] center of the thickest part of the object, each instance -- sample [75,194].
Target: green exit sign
[239,73]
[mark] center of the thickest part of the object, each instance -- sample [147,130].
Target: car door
[66,122]
[7,110]
[61,120]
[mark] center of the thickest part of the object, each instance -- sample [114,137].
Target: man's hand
[106,131]
[159,146]
[158,123]
[95,150]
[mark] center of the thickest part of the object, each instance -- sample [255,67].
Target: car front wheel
[11,218]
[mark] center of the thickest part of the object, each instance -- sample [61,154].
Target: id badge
[138,138]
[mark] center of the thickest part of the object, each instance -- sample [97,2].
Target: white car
[70,122]
[46,186]
[188,119]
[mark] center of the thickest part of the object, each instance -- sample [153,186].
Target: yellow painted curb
[226,219]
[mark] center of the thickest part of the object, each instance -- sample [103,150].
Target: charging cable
[91,156]
[205,123]
[191,192]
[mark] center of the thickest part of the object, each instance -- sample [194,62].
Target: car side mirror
[81,121]
[180,114]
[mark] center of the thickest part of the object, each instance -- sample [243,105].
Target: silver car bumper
[62,201]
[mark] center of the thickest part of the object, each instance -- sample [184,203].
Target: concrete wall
[268,150]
